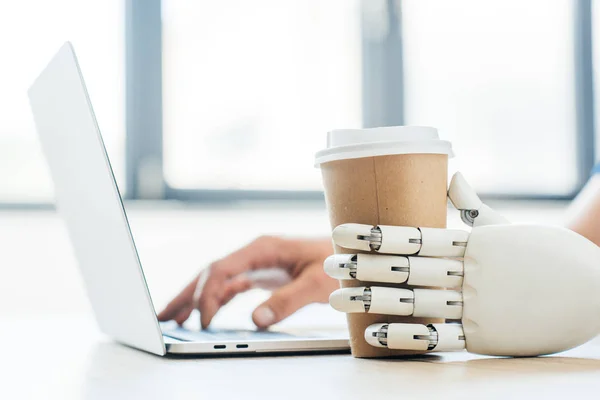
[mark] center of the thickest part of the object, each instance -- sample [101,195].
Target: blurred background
[220,101]
[212,111]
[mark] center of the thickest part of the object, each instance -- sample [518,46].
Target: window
[32,32]
[251,88]
[498,80]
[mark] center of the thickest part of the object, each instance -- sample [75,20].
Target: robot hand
[518,290]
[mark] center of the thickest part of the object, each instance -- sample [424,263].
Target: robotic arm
[514,290]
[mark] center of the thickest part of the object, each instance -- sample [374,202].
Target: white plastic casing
[431,303]
[395,240]
[404,240]
[402,336]
[423,271]
[489,216]
[439,242]
[462,195]
[340,300]
[399,336]
[426,271]
[378,268]
[332,266]
[529,290]
[386,300]
[346,236]
[370,337]
[448,337]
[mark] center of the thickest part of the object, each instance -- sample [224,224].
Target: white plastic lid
[343,144]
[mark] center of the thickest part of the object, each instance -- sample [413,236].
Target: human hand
[293,268]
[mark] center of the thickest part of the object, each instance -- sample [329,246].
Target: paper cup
[384,176]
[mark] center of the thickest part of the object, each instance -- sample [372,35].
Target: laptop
[89,201]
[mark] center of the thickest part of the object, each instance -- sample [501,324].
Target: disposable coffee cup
[384,176]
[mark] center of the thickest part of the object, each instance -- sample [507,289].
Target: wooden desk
[52,350]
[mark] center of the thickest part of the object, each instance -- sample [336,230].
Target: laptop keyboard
[223,334]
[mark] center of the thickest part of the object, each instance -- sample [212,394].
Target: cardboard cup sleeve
[402,189]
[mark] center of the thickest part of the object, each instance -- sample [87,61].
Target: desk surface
[52,349]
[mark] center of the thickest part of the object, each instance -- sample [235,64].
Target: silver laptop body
[89,201]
